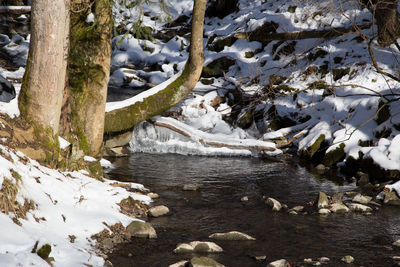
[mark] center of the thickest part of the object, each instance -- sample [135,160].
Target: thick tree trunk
[43,83]
[125,118]
[387,20]
[88,73]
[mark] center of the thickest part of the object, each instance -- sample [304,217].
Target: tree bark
[125,118]
[88,74]
[43,83]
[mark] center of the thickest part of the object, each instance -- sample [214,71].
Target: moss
[316,145]
[339,73]
[44,251]
[285,88]
[292,9]
[249,54]
[334,156]
[95,169]
[16,175]
[384,112]
[318,85]
[220,44]
[323,69]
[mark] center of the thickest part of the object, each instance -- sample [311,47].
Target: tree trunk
[88,74]
[387,20]
[125,118]
[43,83]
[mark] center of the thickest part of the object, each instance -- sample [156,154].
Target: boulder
[233,235]
[274,204]
[362,199]
[141,229]
[199,247]
[356,207]
[158,211]
[279,263]
[322,201]
[7,90]
[204,262]
[339,208]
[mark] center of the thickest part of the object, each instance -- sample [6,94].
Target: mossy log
[125,118]
[329,33]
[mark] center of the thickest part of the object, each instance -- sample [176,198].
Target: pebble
[158,211]
[348,259]
[244,199]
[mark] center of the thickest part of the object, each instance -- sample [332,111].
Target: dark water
[217,208]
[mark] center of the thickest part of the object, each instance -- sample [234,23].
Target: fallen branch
[291,140]
[334,32]
[207,139]
[17,10]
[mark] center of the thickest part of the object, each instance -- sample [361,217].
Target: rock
[244,199]
[320,168]
[363,179]
[396,258]
[259,258]
[7,90]
[324,259]
[179,264]
[317,263]
[153,195]
[390,198]
[205,247]
[348,259]
[274,204]
[245,118]
[396,243]
[362,199]
[309,260]
[279,263]
[183,248]
[356,207]
[218,67]
[117,151]
[158,211]
[292,212]
[199,247]
[141,229]
[337,198]
[108,264]
[339,208]
[191,187]
[351,193]
[233,235]
[324,211]
[298,208]
[322,200]
[205,262]
[119,140]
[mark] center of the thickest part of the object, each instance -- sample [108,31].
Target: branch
[15,10]
[334,32]
[375,63]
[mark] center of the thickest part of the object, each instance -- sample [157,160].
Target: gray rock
[320,168]
[324,259]
[7,90]
[199,247]
[308,260]
[396,243]
[119,140]
[390,198]
[244,199]
[279,263]
[356,207]
[183,248]
[205,262]
[141,229]
[259,258]
[153,195]
[292,212]
[351,193]
[363,179]
[298,208]
[322,201]
[337,198]
[158,211]
[362,199]
[348,259]
[324,211]
[274,204]
[339,208]
[191,187]
[233,235]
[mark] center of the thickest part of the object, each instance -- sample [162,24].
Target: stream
[217,207]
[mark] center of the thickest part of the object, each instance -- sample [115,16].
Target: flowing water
[217,207]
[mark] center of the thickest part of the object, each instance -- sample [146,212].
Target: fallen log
[284,36]
[17,10]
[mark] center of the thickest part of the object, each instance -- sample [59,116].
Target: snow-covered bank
[65,210]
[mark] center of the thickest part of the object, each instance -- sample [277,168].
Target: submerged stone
[233,235]
[141,229]
[205,262]
[348,259]
[274,204]
[158,211]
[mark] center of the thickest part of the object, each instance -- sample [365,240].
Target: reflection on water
[217,208]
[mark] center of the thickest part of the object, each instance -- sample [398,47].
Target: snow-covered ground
[341,107]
